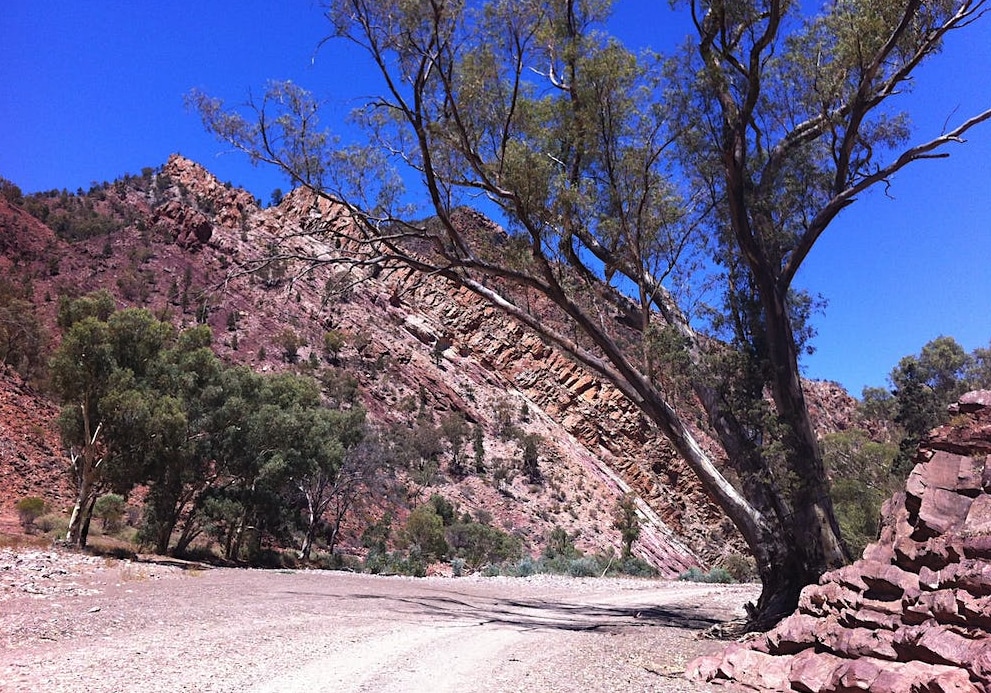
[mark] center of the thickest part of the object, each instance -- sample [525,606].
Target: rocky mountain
[181,243]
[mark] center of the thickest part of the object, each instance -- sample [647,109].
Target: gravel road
[75,623]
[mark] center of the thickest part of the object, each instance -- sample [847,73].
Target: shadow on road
[549,615]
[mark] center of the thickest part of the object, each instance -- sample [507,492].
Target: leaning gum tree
[695,185]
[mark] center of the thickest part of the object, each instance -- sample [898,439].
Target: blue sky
[95,90]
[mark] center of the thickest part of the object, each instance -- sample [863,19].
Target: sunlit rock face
[914,613]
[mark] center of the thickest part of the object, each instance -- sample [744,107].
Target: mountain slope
[182,244]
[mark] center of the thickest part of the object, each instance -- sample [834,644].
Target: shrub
[560,543]
[527,566]
[444,508]
[477,544]
[626,520]
[52,524]
[396,563]
[742,568]
[425,532]
[584,566]
[30,509]
[637,567]
[716,575]
[110,509]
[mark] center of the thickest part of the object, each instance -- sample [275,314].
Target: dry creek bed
[73,622]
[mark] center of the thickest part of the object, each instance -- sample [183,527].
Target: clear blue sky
[91,91]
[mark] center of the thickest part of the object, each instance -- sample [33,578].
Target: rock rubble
[913,615]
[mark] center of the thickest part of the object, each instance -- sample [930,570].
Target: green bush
[742,568]
[396,563]
[716,575]
[109,508]
[425,531]
[585,566]
[30,509]
[53,525]
[560,544]
[478,544]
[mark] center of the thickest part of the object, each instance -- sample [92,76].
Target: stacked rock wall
[914,614]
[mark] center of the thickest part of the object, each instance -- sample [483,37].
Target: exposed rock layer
[914,613]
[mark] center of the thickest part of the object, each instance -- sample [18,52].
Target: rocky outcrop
[914,614]
[191,226]
[30,454]
[213,204]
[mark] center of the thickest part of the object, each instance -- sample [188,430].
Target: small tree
[455,429]
[289,342]
[478,447]
[109,508]
[627,521]
[425,530]
[531,457]
[30,509]
[333,342]
[560,544]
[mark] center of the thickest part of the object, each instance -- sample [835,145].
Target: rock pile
[914,614]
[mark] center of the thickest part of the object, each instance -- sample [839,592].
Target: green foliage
[333,342]
[923,386]
[478,448]
[478,544]
[376,536]
[716,575]
[425,530]
[531,457]
[444,509]
[54,525]
[455,430]
[99,305]
[221,449]
[109,508]
[627,521]
[23,338]
[560,544]
[577,565]
[741,567]
[862,476]
[75,217]
[504,418]
[289,343]
[11,192]
[30,509]
[878,404]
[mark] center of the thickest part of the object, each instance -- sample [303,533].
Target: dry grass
[21,541]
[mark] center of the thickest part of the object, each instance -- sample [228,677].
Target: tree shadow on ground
[551,615]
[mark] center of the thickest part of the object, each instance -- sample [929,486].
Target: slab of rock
[914,614]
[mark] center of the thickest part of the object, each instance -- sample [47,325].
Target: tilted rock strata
[183,249]
[914,614]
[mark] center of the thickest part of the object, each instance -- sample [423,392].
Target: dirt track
[111,626]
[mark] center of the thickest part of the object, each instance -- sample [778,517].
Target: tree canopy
[215,445]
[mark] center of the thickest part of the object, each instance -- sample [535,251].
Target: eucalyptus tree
[99,372]
[728,161]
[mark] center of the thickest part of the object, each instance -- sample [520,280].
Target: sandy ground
[80,623]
